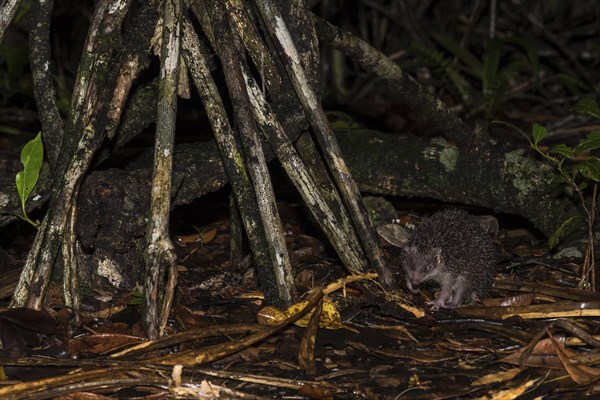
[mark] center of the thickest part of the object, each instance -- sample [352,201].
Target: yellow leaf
[330,316]
[270,315]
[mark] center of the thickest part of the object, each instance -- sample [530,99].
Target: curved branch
[430,108]
[43,86]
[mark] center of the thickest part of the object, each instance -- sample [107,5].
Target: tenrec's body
[451,249]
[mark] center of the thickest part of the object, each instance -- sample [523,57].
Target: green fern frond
[443,66]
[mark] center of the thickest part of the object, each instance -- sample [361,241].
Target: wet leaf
[101,343]
[562,149]
[330,316]
[590,168]
[306,354]
[28,318]
[543,355]
[270,315]
[587,106]
[203,237]
[591,142]
[498,377]
[538,133]
[579,373]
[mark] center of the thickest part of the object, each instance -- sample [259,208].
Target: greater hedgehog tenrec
[451,249]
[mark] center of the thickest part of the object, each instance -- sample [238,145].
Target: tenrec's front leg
[459,288]
[409,285]
[444,296]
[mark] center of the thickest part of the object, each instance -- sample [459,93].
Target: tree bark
[466,168]
[159,254]
[85,133]
[503,179]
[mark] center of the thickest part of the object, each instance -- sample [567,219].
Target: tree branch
[85,132]
[43,86]
[341,175]
[160,254]
[7,13]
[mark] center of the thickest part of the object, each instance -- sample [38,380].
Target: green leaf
[590,168]
[538,133]
[137,298]
[573,171]
[573,85]
[490,66]
[15,58]
[340,120]
[587,106]
[459,51]
[562,149]
[554,238]
[136,301]
[530,50]
[32,156]
[590,143]
[553,241]
[516,128]
[9,130]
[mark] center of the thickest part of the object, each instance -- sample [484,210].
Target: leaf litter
[345,338]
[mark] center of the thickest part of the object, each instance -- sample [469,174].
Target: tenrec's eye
[429,267]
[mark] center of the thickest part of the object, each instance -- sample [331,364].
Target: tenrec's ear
[411,250]
[394,234]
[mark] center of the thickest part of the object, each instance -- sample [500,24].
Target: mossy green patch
[526,175]
[446,153]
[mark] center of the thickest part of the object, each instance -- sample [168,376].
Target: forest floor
[369,344]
